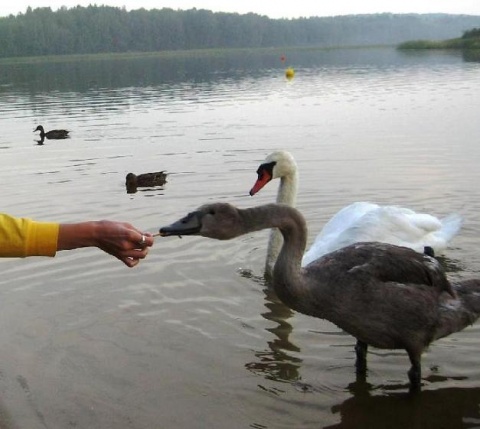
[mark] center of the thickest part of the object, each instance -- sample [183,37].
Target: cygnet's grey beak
[189,225]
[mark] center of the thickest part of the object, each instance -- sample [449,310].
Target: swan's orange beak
[263,178]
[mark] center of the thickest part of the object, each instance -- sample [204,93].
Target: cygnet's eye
[212,212]
[187,218]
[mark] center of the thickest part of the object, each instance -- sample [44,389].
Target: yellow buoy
[289,73]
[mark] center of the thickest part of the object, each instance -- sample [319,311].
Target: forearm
[76,235]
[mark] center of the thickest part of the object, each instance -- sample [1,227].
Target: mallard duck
[52,134]
[133,181]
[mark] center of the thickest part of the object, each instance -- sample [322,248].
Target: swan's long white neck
[287,191]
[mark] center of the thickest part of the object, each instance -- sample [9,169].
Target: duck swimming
[359,221]
[133,181]
[52,134]
[386,296]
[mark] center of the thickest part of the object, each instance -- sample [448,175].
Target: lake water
[193,337]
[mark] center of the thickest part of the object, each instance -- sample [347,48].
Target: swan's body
[384,295]
[361,221]
[52,134]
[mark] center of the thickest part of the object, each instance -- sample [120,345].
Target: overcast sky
[271,8]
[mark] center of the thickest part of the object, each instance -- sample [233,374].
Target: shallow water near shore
[193,337]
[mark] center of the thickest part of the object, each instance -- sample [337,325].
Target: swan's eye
[266,170]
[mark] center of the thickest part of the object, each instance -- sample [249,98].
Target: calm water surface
[193,338]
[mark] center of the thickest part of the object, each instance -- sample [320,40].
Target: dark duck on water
[52,134]
[386,296]
[133,181]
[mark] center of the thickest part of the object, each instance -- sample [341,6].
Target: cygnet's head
[221,221]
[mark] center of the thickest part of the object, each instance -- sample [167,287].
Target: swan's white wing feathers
[344,219]
[388,224]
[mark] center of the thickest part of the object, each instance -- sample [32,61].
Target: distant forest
[101,29]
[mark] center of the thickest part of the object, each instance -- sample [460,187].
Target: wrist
[76,235]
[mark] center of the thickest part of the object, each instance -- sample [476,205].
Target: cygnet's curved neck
[287,278]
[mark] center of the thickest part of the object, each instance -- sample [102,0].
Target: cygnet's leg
[361,349]
[415,371]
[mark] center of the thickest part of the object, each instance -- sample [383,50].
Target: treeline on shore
[469,40]
[101,29]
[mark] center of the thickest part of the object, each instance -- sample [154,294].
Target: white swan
[385,296]
[361,221]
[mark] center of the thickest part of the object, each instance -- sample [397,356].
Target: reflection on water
[441,408]
[184,330]
[471,55]
[277,362]
[193,69]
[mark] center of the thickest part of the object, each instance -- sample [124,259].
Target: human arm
[22,237]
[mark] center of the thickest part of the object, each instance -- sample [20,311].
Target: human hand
[119,239]
[124,241]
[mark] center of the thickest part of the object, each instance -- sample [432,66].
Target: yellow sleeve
[21,237]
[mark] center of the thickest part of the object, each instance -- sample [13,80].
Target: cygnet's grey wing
[383,263]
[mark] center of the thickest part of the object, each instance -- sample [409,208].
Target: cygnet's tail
[469,293]
[457,314]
